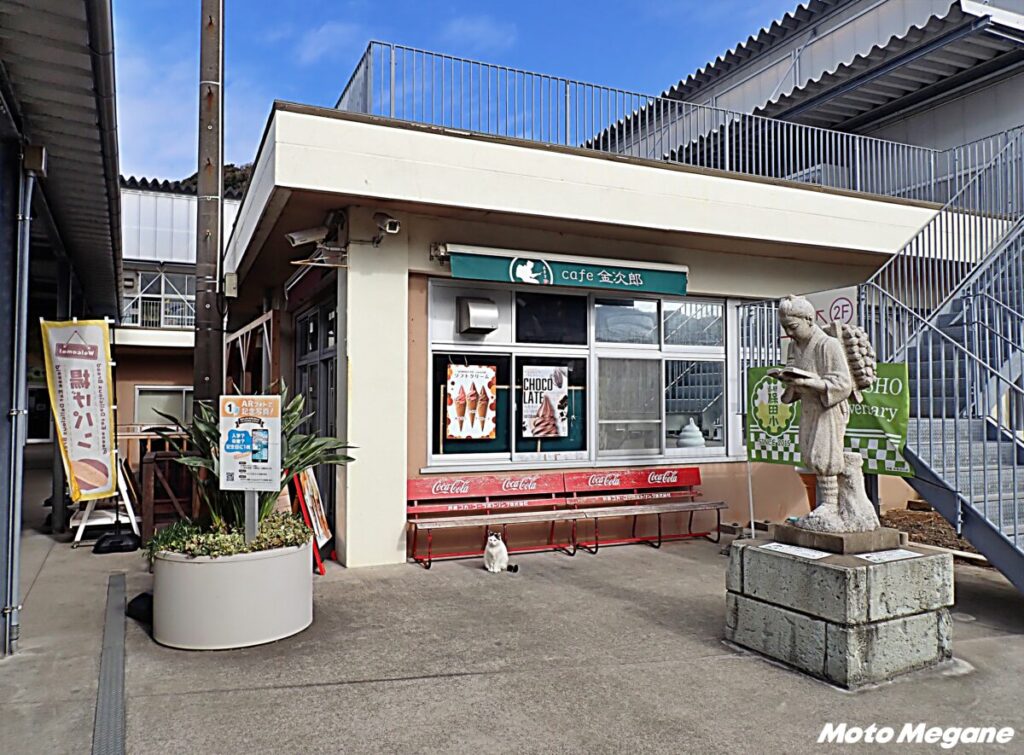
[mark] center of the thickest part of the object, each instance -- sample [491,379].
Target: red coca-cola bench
[442,503]
[638,493]
[499,501]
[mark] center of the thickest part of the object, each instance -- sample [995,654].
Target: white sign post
[250,450]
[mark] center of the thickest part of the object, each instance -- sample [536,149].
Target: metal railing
[409,84]
[159,311]
[960,424]
[957,243]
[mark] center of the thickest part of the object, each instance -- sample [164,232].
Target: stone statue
[824,371]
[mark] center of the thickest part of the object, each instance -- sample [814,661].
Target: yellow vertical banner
[81,386]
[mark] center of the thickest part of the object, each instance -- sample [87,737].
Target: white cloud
[329,40]
[478,35]
[158,106]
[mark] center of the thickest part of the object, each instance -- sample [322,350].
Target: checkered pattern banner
[881,452]
[877,429]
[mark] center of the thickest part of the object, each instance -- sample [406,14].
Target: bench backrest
[434,495]
[656,483]
[450,495]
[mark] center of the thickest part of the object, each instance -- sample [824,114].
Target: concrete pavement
[616,652]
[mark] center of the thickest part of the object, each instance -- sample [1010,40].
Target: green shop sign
[540,271]
[877,429]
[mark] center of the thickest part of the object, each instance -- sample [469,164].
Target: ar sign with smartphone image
[250,443]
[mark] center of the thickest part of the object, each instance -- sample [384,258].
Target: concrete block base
[840,618]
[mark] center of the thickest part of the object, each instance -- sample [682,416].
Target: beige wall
[329,152]
[372,394]
[137,367]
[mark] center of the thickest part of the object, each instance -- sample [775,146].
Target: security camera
[308,236]
[386,223]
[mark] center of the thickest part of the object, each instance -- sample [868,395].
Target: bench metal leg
[425,563]
[597,540]
[718,528]
[569,550]
[653,543]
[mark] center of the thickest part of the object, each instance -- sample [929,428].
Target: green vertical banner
[877,428]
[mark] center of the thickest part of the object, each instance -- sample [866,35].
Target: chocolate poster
[471,399]
[545,402]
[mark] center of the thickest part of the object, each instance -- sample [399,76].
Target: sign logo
[668,477]
[532,271]
[606,479]
[450,487]
[519,485]
[768,412]
[841,310]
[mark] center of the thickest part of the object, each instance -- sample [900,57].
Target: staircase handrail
[1003,305]
[896,270]
[934,331]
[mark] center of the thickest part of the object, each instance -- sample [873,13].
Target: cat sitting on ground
[496,555]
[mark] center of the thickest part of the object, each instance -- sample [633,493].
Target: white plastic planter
[203,603]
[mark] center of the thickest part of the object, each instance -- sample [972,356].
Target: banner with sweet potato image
[471,402]
[80,384]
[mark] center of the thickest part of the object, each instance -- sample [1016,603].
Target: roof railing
[410,84]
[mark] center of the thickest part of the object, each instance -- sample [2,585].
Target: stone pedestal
[840,618]
[883,538]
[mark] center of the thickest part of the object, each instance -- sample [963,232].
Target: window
[630,321]
[163,300]
[694,323]
[577,378]
[548,318]
[451,431]
[565,434]
[694,404]
[629,406]
[175,401]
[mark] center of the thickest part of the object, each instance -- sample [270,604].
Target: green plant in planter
[200,453]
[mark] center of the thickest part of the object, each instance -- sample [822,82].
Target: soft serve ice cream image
[470,393]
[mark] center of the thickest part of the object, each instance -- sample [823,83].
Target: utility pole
[208,357]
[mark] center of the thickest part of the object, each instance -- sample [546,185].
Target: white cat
[496,555]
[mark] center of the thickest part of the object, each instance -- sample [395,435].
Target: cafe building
[458,304]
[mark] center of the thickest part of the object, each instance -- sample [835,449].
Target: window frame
[592,352]
[184,390]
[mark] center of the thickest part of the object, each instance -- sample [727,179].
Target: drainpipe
[19,412]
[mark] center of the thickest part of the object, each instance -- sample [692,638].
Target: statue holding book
[824,372]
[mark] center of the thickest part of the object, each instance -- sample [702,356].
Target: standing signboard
[250,450]
[250,443]
[877,428]
[80,383]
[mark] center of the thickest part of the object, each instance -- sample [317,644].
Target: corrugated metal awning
[946,53]
[58,58]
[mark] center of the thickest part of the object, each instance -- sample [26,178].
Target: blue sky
[305,50]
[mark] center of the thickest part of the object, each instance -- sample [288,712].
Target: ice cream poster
[545,402]
[471,401]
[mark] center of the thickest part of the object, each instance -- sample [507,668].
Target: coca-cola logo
[519,484]
[668,477]
[450,487]
[604,480]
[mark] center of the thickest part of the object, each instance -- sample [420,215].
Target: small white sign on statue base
[250,450]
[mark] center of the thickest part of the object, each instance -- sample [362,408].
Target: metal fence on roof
[409,84]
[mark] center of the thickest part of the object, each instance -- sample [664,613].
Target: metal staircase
[949,304]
